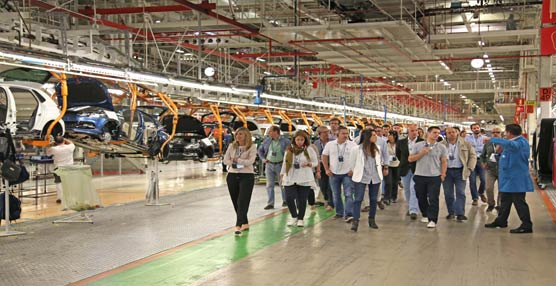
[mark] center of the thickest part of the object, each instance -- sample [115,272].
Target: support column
[531,94]
[545,80]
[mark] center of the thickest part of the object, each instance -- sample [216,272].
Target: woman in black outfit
[240,158]
[391,188]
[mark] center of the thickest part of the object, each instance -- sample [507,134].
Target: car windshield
[25,74]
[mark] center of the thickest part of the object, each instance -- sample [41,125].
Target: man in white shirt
[62,153]
[334,160]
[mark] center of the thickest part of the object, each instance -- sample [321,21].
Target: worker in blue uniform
[513,178]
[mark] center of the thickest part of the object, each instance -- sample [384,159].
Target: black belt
[456,168]
[275,162]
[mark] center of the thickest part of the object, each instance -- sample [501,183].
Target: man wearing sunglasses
[489,160]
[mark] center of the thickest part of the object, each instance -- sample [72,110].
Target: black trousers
[240,187]
[296,198]
[324,184]
[518,200]
[427,190]
[391,187]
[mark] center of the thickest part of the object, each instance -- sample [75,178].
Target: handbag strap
[10,153]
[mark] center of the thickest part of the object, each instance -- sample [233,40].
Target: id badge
[451,157]
[492,158]
[274,154]
[296,165]
[341,159]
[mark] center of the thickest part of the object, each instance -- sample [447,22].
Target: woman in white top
[366,172]
[391,180]
[297,175]
[240,158]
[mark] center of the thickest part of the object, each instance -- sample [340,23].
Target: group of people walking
[370,169]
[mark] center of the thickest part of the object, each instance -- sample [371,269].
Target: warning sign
[530,106]
[545,94]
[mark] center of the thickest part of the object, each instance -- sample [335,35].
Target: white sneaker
[431,224]
[424,219]
[292,222]
[300,223]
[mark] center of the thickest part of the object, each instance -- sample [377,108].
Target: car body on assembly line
[90,111]
[27,110]
[190,141]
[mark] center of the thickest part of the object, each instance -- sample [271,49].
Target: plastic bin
[78,191]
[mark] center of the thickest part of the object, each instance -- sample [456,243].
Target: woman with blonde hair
[297,175]
[240,158]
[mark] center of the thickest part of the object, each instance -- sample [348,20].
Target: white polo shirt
[334,151]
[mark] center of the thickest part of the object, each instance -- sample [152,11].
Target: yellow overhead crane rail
[287,119]
[317,119]
[360,122]
[240,115]
[64,90]
[172,108]
[309,127]
[216,112]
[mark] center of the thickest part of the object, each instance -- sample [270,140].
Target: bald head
[412,131]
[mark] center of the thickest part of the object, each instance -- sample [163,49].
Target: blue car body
[142,130]
[90,110]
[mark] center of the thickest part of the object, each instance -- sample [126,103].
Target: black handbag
[23,176]
[10,170]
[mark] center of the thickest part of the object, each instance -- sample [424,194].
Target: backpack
[15,207]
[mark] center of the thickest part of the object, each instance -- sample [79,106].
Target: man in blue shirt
[477,140]
[271,152]
[514,179]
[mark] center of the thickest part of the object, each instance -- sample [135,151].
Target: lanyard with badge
[273,152]
[238,154]
[494,156]
[452,149]
[341,155]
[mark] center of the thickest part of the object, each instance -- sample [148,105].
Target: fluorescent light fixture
[501,117]
[267,73]
[261,60]
[485,56]
[115,91]
[180,51]
[487,61]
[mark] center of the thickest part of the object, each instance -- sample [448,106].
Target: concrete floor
[401,252]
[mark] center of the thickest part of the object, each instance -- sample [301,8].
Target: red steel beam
[144,34]
[89,11]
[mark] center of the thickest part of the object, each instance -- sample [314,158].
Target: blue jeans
[359,191]
[473,181]
[455,205]
[272,172]
[409,192]
[336,183]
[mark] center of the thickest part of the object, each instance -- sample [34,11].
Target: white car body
[27,110]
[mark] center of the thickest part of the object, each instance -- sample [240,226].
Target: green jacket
[485,158]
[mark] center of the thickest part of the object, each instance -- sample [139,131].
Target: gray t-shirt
[430,164]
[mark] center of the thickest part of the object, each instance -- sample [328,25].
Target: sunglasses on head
[496,132]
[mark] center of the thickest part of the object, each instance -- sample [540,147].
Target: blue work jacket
[513,166]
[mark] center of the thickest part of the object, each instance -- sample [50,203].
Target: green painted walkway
[189,264]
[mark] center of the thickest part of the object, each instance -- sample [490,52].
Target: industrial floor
[191,242]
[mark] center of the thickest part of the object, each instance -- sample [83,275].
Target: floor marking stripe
[547,201]
[170,264]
